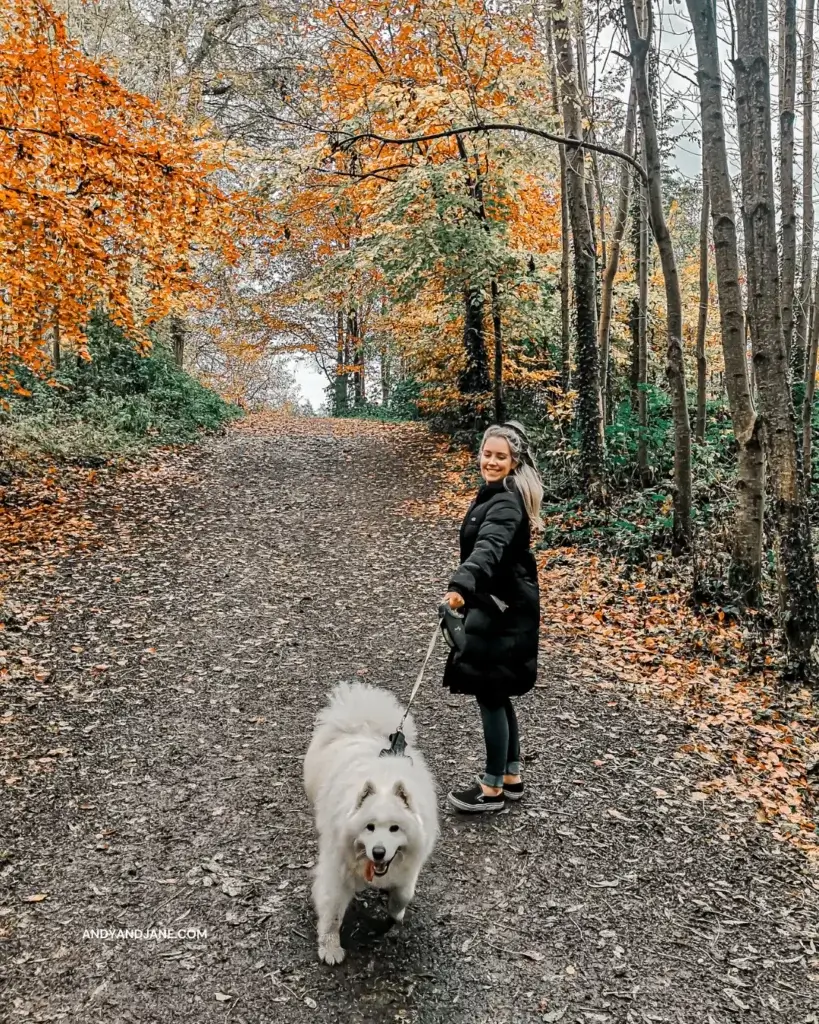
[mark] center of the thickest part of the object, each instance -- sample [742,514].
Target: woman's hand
[454,600]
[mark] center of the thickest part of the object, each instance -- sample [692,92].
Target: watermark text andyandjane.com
[149,934]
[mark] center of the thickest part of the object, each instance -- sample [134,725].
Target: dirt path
[155,783]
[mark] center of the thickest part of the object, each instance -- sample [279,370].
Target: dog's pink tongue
[369,870]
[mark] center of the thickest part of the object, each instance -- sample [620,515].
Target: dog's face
[383,826]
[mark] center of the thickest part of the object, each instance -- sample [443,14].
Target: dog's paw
[396,909]
[330,950]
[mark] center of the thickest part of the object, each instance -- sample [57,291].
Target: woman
[496,586]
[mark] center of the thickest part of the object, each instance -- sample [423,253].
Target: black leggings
[500,731]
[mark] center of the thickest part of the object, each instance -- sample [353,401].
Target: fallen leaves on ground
[628,624]
[455,472]
[644,632]
[39,516]
[49,511]
[47,514]
[273,423]
[224,602]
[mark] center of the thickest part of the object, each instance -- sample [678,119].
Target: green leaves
[117,403]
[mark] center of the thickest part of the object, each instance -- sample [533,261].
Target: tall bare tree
[802,326]
[787,116]
[341,377]
[588,377]
[797,571]
[675,369]
[810,393]
[565,242]
[594,192]
[641,316]
[498,395]
[702,319]
[613,261]
[807,325]
[746,567]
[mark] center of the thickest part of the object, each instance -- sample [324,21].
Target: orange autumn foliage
[106,199]
[368,214]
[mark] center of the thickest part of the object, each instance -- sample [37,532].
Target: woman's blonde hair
[527,478]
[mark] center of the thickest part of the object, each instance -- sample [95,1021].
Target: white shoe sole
[461,805]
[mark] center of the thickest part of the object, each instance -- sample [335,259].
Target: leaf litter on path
[230,588]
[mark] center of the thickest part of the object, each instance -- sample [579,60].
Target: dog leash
[419,678]
[398,741]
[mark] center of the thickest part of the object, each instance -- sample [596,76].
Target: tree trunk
[675,368]
[565,249]
[565,336]
[475,377]
[634,331]
[497,379]
[797,572]
[385,361]
[354,346]
[643,467]
[810,392]
[800,341]
[594,191]
[340,397]
[56,353]
[634,306]
[177,333]
[588,378]
[702,321]
[386,374]
[598,197]
[621,217]
[787,114]
[746,562]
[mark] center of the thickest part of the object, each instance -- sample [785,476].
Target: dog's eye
[371,828]
[393,828]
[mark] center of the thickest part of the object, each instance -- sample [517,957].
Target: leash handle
[421,672]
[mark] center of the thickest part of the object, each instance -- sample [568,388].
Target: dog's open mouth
[373,870]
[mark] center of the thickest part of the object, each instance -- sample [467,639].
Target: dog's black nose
[379,853]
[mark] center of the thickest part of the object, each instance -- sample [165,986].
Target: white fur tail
[357,707]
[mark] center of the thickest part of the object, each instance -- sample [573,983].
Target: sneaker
[474,800]
[513,790]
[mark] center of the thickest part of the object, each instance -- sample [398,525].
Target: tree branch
[376,172]
[475,128]
[472,129]
[365,43]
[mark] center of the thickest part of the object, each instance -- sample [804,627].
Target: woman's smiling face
[496,459]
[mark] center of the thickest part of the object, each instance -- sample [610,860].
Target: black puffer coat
[500,656]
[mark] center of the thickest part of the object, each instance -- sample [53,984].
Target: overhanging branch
[344,140]
[476,128]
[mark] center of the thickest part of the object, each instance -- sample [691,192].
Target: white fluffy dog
[377,817]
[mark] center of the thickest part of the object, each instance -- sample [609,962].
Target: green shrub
[402,404]
[117,404]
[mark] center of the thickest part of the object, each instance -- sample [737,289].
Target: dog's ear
[400,791]
[366,790]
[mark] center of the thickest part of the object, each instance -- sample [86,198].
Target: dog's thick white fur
[376,817]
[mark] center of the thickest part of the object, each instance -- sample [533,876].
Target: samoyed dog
[376,817]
